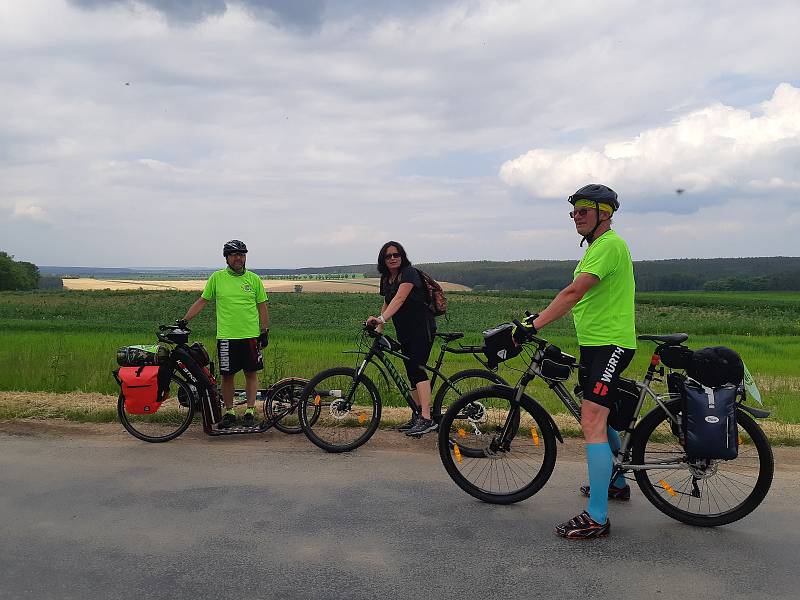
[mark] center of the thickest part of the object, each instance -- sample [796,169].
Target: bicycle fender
[758,413]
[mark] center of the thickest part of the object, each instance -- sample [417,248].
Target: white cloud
[718,148]
[28,210]
[384,119]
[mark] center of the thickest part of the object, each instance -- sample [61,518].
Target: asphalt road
[88,512]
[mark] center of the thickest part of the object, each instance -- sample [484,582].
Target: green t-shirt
[605,315]
[236,296]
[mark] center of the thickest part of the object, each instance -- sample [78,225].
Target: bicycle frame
[621,458]
[384,345]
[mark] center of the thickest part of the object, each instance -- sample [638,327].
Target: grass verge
[100,408]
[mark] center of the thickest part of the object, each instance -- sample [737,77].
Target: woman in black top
[404,301]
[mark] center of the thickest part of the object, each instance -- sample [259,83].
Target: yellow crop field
[368,286]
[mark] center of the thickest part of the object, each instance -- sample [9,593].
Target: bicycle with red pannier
[163,385]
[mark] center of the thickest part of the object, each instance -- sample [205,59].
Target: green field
[66,341]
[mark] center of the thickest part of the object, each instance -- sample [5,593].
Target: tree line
[17,275]
[684,274]
[734,274]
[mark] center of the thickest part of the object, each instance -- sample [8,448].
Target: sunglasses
[579,212]
[392,255]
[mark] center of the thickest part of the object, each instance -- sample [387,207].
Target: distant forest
[739,274]
[735,274]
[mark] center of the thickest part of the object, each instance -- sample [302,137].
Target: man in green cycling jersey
[242,327]
[601,298]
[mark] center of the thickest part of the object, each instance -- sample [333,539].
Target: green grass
[66,341]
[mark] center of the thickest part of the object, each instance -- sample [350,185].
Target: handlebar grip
[518,334]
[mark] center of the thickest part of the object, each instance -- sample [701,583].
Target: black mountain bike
[186,384]
[509,454]
[340,408]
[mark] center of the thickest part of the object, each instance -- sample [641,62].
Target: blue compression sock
[598,456]
[615,443]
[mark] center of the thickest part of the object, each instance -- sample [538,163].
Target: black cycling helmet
[597,193]
[234,247]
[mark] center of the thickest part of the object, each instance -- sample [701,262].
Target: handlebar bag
[499,345]
[140,388]
[709,420]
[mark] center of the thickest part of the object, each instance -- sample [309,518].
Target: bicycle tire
[282,402]
[469,379]
[667,490]
[330,424]
[495,476]
[173,417]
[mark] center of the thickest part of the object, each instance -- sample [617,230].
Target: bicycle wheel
[485,464]
[463,381]
[337,412]
[172,418]
[706,493]
[281,404]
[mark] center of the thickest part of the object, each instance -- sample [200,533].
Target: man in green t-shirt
[242,327]
[601,299]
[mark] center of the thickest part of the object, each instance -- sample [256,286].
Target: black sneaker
[614,492]
[583,527]
[249,419]
[422,426]
[228,420]
[408,424]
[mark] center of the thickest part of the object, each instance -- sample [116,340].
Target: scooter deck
[241,429]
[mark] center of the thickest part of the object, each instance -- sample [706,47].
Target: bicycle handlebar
[178,326]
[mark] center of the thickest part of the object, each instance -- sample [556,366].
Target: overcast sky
[147,133]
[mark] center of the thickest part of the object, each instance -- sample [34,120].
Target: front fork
[502,443]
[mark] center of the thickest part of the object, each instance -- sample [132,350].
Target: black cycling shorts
[239,355]
[417,347]
[600,369]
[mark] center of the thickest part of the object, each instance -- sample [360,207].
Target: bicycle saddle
[672,339]
[449,337]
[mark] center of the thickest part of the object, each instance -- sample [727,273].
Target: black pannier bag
[498,345]
[716,366]
[624,404]
[709,420]
[676,357]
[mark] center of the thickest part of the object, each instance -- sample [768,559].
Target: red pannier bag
[140,389]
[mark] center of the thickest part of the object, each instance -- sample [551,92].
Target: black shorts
[239,355]
[600,369]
